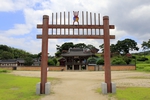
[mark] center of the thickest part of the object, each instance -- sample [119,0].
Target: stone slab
[113,87]
[104,87]
[38,88]
[47,88]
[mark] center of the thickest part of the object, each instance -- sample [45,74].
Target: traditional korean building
[76,58]
[12,62]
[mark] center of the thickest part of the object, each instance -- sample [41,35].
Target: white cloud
[131,19]
[19,29]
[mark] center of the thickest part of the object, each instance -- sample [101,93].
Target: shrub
[118,61]
[100,62]
[51,62]
[133,57]
[127,60]
[92,60]
[28,61]
[3,71]
[55,60]
[142,59]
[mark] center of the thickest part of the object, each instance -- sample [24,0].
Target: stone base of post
[47,88]
[104,87]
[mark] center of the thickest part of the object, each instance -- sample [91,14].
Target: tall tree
[146,46]
[102,47]
[126,45]
[123,46]
[7,55]
[80,45]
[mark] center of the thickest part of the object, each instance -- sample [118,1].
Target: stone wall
[60,68]
[114,67]
[35,68]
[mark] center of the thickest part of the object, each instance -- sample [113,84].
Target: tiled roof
[12,61]
[77,52]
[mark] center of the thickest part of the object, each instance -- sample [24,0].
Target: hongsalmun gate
[75,25]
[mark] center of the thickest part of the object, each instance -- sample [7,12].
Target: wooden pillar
[107,53]
[44,53]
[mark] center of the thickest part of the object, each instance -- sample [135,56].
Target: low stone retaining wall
[114,67]
[125,67]
[60,68]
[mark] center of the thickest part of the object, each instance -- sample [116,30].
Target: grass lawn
[130,93]
[133,93]
[17,87]
[143,67]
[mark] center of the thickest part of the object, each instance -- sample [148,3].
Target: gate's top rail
[83,25]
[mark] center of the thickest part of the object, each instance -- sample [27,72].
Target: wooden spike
[68,22]
[56,23]
[91,21]
[87,21]
[95,21]
[52,21]
[64,24]
[60,23]
[99,23]
[83,21]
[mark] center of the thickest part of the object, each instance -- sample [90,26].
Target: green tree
[7,55]
[28,61]
[100,61]
[80,45]
[55,60]
[4,48]
[118,61]
[102,47]
[58,54]
[113,48]
[126,45]
[146,46]
[51,62]
[66,46]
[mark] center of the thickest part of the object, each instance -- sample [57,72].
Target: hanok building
[12,62]
[76,58]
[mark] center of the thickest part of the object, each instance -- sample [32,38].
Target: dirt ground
[83,85]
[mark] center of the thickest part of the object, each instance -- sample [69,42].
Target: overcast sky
[19,18]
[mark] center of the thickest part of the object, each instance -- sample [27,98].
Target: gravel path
[83,85]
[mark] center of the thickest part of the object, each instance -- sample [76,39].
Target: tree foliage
[100,61]
[118,61]
[51,62]
[146,45]
[7,55]
[126,45]
[122,47]
[65,47]
[7,52]
[28,61]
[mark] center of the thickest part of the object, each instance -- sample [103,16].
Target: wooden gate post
[107,53]
[44,55]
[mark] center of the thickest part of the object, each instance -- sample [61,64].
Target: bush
[51,62]
[92,60]
[55,60]
[142,59]
[28,61]
[3,71]
[118,61]
[134,57]
[127,60]
[100,62]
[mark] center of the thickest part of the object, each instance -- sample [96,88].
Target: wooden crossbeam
[76,36]
[77,26]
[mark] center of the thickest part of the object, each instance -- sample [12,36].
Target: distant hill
[7,52]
